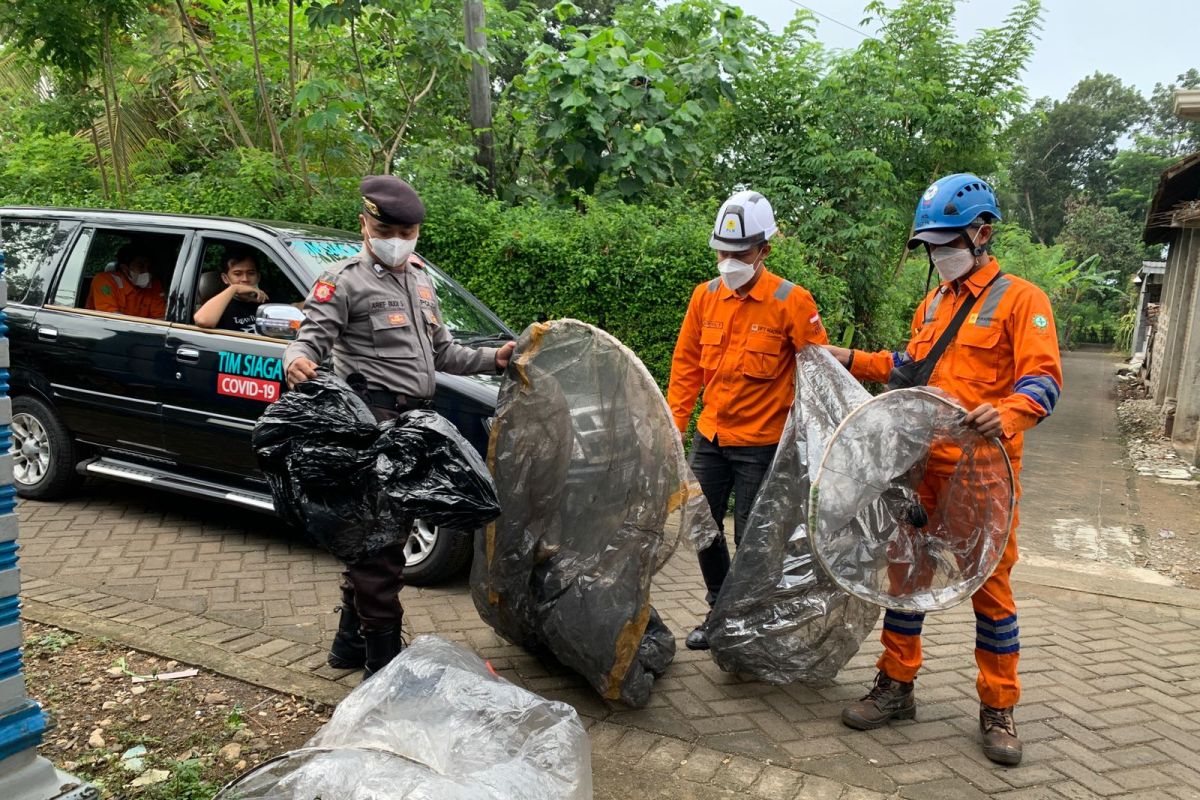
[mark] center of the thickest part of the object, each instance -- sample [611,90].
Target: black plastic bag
[353,487]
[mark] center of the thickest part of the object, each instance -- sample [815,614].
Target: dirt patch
[1168,489]
[159,740]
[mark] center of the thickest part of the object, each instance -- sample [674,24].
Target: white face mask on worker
[141,280]
[393,252]
[735,273]
[952,262]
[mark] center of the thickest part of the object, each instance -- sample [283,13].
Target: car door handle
[46,333]
[189,354]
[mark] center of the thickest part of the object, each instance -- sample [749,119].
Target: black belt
[398,402]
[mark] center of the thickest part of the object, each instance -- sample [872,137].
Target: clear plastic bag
[779,617]
[595,490]
[435,724]
[911,510]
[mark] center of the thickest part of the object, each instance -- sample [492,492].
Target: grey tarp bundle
[911,510]
[353,486]
[779,617]
[435,724]
[595,490]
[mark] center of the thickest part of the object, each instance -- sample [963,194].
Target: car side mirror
[278,321]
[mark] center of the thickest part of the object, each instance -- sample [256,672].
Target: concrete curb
[233,665]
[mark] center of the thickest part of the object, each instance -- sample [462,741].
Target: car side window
[94,276]
[271,277]
[29,247]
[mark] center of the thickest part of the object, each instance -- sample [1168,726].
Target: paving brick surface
[1112,684]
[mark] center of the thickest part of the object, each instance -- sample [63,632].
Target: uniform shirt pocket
[710,347]
[764,357]
[394,334]
[978,356]
[922,342]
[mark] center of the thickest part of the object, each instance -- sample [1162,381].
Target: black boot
[382,647]
[349,650]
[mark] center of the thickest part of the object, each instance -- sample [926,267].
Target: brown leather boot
[887,700]
[999,729]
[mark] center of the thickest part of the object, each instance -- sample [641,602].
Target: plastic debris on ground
[436,724]
[779,617]
[353,486]
[595,490]
[911,510]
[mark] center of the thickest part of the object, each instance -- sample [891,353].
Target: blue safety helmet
[949,206]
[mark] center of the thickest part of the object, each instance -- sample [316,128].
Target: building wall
[1186,388]
[1164,332]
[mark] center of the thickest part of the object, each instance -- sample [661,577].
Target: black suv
[163,402]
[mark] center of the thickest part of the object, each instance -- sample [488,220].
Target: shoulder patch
[329,277]
[323,291]
[106,288]
[1040,322]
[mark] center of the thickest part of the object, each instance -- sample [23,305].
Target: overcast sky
[1142,42]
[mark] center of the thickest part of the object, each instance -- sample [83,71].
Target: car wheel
[43,451]
[434,554]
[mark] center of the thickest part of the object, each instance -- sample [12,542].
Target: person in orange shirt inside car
[1003,366]
[130,289]
[738,343]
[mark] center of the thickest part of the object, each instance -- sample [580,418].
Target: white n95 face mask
[951,262]
[393,252]
[736,274]
[141,280]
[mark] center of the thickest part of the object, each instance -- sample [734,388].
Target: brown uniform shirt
[385,325]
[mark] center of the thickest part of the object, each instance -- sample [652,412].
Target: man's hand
[840,353]
[985,419]
[504,355]
[301,370]
[250,294]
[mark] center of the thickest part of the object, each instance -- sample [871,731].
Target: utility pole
[24,775]
[480,91]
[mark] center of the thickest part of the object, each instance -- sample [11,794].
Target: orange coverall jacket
[1006,352]
[742,352]
[113,292]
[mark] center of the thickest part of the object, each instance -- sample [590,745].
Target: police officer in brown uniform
[378,315]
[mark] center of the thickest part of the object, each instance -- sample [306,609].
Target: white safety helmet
[745,220]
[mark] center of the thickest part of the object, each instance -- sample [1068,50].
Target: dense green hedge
[629,269]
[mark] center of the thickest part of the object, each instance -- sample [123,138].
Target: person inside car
[129,289]
[234,308]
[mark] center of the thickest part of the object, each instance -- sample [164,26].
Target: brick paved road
[1111,667]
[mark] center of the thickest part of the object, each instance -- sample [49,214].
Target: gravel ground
[178,739]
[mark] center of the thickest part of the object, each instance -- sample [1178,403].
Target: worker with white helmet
[738,344]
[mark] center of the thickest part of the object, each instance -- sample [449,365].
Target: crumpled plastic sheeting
[595,490]
[910,509]
[354,487]
[435,724]
[779,617]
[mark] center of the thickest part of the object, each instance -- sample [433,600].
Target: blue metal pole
[24,775]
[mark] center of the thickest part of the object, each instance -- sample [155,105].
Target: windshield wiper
[481,338]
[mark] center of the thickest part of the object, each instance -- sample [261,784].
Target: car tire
[44,452]
[436,554]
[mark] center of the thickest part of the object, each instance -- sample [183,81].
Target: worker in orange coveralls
[1003,366]
[738,342]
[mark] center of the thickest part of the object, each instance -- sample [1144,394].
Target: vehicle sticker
[249,376]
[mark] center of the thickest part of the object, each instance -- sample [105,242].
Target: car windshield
[461,312]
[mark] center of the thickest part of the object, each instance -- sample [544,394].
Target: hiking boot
[382,647]
[887,700]
[349,649]
[698,638]
[999,730]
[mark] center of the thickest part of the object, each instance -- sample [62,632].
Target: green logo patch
[1040,322]
[105,289]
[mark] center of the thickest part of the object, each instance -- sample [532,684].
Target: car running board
[161,479]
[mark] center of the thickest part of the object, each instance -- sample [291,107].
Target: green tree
[1063,148]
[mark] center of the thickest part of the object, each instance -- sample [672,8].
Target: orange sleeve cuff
[872,366]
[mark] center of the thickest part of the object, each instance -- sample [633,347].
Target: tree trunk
[100,163]
[1032,220]
[308,187]
[276,142]
[212,74]
[480,90]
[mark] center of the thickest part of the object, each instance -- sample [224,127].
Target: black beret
[391,200]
